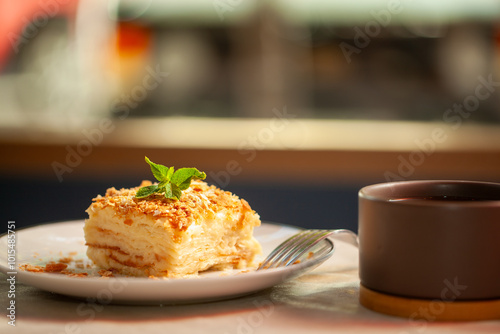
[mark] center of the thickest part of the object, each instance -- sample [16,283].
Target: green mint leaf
[146,191]
[160,172]
[170,172]
[176,192]
[168,191]
[183,176]
[171,181]
[172,192]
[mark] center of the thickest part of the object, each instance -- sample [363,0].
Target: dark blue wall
[36,201]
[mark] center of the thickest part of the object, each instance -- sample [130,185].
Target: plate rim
[277,275]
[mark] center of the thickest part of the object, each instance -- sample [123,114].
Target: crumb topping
[199,199]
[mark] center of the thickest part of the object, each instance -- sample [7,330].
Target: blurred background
[292,105]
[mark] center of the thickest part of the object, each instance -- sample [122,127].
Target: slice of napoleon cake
[176,227]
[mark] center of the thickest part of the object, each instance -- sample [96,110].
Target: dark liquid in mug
[445,198]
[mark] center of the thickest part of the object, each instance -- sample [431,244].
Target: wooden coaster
[430,310]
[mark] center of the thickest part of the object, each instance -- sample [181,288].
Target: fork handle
[352,237]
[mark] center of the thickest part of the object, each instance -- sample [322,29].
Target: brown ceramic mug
[431,239]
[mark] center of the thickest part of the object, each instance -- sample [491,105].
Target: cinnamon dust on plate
[65,265]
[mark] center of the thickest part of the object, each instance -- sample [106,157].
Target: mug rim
[376,192]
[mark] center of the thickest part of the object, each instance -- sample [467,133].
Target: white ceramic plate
[40,244]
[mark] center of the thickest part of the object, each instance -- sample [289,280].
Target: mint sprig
[171,182]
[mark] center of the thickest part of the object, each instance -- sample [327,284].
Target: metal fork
[292,249]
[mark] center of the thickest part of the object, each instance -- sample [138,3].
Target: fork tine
[288,253]
[294,247]
[300,249]
[277,252]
